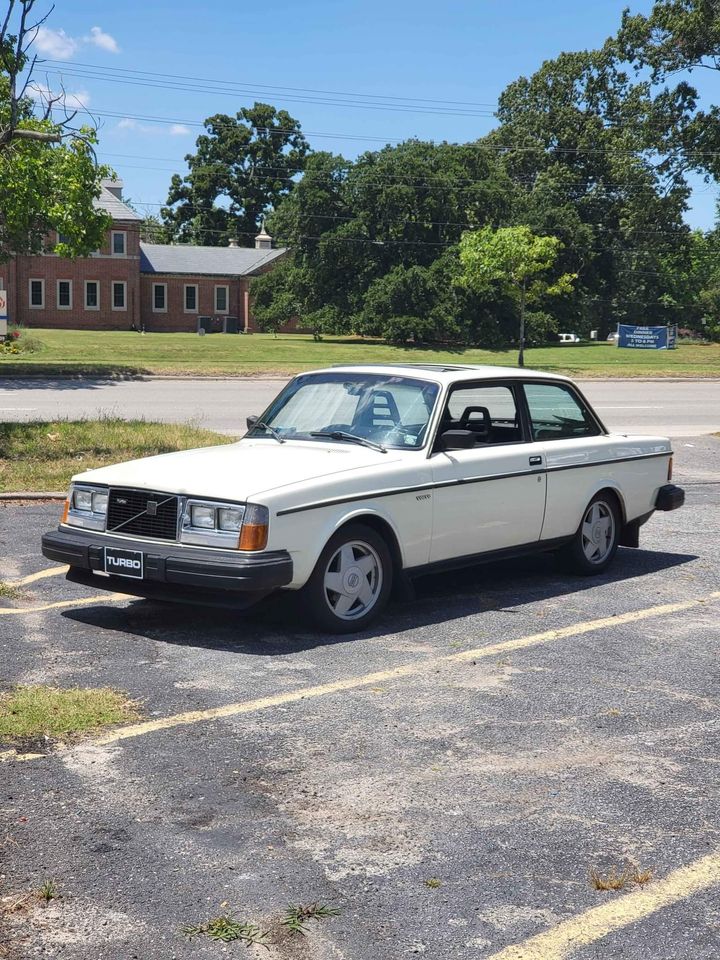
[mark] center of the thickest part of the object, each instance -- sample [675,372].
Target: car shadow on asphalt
[271,627]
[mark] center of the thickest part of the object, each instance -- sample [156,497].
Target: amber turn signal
[253,536]
[66,508]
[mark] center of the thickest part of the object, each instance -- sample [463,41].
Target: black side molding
[669,497]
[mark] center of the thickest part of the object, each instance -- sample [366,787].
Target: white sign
[3,313]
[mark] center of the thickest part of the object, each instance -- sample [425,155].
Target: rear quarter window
[558,413]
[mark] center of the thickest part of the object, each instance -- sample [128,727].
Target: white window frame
[41,281]
[118,233]
[226,288]
[163,309]
[97,287]
[186,287]
[123,284]
[63,306]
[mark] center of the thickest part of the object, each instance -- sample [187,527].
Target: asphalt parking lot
[503,735]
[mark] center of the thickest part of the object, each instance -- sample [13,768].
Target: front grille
[128,514]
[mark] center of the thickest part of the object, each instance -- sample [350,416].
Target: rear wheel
[351,582]
[596,540]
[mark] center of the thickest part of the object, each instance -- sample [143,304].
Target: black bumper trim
[170,564]
[669,497]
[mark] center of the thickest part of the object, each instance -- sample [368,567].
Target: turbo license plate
[124,563]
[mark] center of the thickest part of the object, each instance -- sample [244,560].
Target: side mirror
[457,440]
[251,421]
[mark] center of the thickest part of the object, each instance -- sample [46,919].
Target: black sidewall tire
[312,595]
[572,557]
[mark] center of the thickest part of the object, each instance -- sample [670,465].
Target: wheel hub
[352,580]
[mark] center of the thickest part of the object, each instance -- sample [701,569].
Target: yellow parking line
[381,676]
[41,575]
[564,939]
[81,601]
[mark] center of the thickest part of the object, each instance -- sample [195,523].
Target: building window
[64,294]
[37,294]
[191,298]
[118,243]
[221,299]
[63,238]
[159,298]
[119,289]
[92,295]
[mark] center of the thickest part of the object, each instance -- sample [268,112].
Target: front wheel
[596,540]
[351,582]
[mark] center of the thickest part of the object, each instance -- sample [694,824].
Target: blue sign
[646,338]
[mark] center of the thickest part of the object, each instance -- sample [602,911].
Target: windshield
[392,411]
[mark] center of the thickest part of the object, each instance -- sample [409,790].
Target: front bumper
[669,497]
[171,571]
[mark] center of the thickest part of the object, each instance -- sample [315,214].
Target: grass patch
[8,592]
[297,916]
[40,711]
[122,353]
[432,883]
[43,455]
[226,929]
[615,879]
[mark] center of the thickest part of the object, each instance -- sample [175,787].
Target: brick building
[128,284]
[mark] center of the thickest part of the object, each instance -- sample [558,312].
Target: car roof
[447,372]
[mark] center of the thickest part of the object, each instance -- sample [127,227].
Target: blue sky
[460,50]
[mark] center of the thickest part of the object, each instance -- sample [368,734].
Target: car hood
[238,471]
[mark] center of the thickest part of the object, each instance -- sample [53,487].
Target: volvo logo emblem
[151,508]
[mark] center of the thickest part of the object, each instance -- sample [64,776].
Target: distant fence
[647,338]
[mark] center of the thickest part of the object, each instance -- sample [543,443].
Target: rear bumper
[669,497]
[171,571]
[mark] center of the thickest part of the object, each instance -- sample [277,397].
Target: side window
[556,413]
[489,411]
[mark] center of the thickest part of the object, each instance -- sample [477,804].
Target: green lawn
[42,456]
[88,352]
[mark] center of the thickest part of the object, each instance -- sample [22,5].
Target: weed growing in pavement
[33,710]
[48,891]
[616,879]
[297,916]
[225,929]
[8,592]
[433,883]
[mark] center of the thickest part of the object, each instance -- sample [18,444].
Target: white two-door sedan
[361,477]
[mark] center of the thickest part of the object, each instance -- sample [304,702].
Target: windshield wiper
[351,438]
[271,430]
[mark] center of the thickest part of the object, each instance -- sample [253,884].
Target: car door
[492,496]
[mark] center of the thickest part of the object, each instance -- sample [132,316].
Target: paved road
[542,726]
[676,409]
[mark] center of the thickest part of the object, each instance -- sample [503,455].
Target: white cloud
[58,45]
[155,130]
[99,38]
[55,43]
[180,130]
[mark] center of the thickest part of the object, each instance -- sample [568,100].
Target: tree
[513,260]
[49,177]
[274,300]
[242,168]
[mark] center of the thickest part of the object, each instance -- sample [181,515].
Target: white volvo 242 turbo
[357,477]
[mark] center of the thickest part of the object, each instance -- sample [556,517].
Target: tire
[596,541]
[357,562]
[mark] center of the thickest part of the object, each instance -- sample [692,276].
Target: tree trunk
[521,353]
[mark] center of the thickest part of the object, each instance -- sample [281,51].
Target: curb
[50,495]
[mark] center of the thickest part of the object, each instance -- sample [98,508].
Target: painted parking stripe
[58,605]
[394,673]
[561,941]
[40,575]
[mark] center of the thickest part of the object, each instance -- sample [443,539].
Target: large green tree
[49,177]
[242,168]
[516,263]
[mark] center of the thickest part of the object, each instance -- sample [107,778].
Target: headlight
[237,526]
[230,518]
[202,517]
[86,506]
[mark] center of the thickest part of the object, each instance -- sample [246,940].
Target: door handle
[535,461]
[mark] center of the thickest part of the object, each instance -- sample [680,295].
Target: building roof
[110,202]
[208,261]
